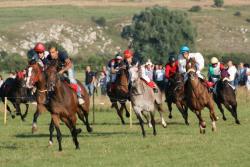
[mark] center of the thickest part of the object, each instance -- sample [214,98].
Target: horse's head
[134,72]
[51,76]
[191,69]
[33,73]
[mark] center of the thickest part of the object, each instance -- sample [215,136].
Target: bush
[13,62]
[237,13]
[219,3]
[196,8]
[157,31]
[101,21]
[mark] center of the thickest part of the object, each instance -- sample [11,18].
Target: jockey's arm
[68,65]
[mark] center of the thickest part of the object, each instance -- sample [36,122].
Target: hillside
[23,23]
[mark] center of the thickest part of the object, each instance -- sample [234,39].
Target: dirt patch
[107,3]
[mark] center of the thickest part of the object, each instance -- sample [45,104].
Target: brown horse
[174,93]
[226,95]
[36,77]
[120,93]
[198,96]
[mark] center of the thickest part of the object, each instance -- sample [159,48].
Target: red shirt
[171,70]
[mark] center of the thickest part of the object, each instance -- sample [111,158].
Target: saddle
[151,84]
[71,85]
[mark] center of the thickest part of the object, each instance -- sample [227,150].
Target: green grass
[112,144]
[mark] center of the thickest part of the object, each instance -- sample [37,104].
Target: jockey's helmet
[184,49]
[128,53]
[171,59]
[214,60]
[39,48]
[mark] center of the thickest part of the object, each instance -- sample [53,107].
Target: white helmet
[214,60]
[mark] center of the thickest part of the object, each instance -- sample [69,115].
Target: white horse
[144,100]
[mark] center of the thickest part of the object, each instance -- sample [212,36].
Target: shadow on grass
[9,147]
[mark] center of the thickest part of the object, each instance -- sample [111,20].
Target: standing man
[232,70]
[89,80]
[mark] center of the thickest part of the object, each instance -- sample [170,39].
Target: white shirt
[159,75]
[198,58]
[232,72]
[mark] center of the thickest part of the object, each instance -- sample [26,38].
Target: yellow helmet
[214,60]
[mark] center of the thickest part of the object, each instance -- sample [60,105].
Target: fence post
[130,112]
[5,110]
[93,108]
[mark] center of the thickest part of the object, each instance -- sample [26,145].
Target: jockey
[214,70]
[170,69]
[184,56]
[67,66]
[41,54]
[113,67]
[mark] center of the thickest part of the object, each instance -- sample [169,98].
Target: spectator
[241,75]
[232,70]
[89,80]
[247,67]
[12,75]
[149,69]
[1,80]
[159,76]
[103,83]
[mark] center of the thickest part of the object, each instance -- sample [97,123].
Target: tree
[157,32]
[219,3]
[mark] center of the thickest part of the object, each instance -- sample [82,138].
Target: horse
[120,92]
[174,93]
[36,77]
[63,105]
[144,100]
[225,94]
[198,96]
[16,92]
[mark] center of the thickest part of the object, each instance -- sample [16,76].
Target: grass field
[112,144]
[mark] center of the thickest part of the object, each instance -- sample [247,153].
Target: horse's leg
[39,109]
[26,111]
[56,122]
[169,102]
[233,111]
[51,130]
[182,111]
[139,117]
[127,112]
[118,112]
[12,115]
[153,122]
[160,109]
[221,110]
[202,123]
[18,110]
[86,115]
[212,115]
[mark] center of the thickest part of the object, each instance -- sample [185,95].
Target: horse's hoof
[224,118]
[187,123]
[89,129]
[78,131]
[164,125]
[77,148]
[33,130]
[128,115]
[50,143]
[202,131]
[213,129]
[170,116]
[237,122]
[13,116]
[123,122]
[23,119]
[60,150]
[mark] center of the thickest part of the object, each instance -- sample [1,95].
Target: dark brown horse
[198,96]
[16,92]
[120,93]
[174,93]
[37,78]
[226,95]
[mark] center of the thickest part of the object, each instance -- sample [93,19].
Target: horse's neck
[41,83]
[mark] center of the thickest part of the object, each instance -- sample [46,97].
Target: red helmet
[128,53]
[39,47]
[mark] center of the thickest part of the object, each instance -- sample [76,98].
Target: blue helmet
[184,49]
